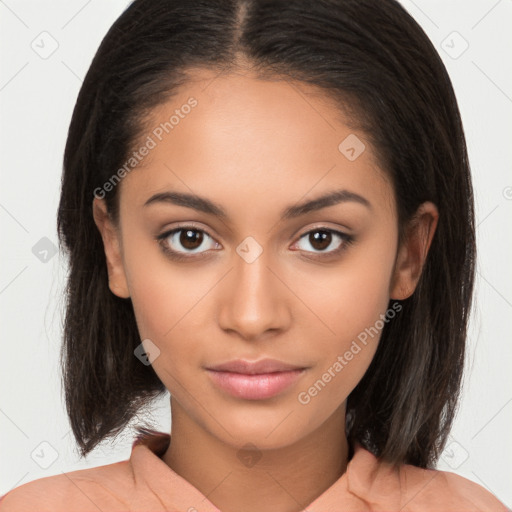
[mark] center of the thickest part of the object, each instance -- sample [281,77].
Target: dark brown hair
[374,60]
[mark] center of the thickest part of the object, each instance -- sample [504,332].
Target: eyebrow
[203,204]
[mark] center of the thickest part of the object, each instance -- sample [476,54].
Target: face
[305,287]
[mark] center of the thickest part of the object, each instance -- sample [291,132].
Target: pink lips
[255,380]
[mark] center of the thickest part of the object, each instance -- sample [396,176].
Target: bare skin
[255,148]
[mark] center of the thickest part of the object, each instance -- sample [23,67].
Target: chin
[266,430]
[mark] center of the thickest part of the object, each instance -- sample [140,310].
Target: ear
[413,251]
[112,244]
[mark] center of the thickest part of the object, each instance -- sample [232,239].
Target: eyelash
[178,256]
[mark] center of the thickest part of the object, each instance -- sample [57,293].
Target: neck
[292,476]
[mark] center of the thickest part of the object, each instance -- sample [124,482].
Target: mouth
[256,380]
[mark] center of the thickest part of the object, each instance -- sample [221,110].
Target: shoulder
[99,488]
[435,489]
[413,489]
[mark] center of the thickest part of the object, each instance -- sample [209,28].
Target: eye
[320,239]
[184,241]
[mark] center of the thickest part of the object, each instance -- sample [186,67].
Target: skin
[256,147]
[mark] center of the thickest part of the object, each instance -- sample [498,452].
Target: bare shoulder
[91,489]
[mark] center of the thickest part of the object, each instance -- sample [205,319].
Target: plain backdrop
[46,48]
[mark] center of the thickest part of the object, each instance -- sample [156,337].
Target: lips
[255,380]
[254,367]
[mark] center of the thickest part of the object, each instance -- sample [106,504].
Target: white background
[37,96]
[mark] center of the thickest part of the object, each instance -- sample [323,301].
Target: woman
[268,211]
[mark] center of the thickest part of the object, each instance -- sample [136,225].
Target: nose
[254,301]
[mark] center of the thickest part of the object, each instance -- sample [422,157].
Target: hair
[376,62]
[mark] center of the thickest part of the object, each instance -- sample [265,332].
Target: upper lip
[255,367]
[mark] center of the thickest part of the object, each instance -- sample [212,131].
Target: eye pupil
[323,238]
[190,237]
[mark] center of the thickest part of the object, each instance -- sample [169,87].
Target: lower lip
[255,387]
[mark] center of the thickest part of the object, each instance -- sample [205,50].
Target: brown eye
[320,240]
[190,238]
[324,241]
[186,241]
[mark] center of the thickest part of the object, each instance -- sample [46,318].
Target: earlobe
[413,252]
[111,243]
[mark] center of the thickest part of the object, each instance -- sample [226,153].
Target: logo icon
[454,45]
[146,352]
[249,249]
[249,455]
[455,455]
[44,250]
[45,45]
[351,147]
[44,455]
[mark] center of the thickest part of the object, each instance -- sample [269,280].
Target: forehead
[240,139]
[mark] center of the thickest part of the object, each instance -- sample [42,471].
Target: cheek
[157,290]
[350,297]
[164,306]
[349,304]
[169,303]
[341,359]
